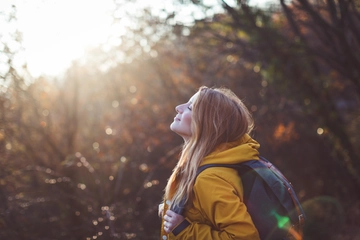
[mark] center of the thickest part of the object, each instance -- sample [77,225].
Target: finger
[170,213]
[167,227]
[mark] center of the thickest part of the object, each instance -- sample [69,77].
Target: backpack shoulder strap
[299,210]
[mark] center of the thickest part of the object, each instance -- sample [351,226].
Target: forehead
[194,97]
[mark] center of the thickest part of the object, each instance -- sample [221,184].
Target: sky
[57,32]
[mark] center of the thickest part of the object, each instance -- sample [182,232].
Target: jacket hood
[240,151]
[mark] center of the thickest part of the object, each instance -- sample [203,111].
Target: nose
[179,108]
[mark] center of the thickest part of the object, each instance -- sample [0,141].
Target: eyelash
[190,108]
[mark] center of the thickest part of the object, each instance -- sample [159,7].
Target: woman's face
[182,121]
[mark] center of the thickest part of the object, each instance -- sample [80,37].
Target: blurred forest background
[87,155]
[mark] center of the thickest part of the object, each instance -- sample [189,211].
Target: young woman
[215,125]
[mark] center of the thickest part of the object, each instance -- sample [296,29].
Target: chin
[172,127]
[175,131]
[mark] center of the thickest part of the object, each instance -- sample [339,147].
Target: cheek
[187,120]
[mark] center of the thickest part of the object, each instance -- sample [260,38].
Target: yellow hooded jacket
[218,210]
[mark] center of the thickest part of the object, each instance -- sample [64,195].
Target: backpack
[270,199]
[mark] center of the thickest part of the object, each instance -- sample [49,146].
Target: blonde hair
[218,116]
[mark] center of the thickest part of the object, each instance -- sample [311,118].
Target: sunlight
[57,32]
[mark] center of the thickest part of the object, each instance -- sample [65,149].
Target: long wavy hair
[218,116]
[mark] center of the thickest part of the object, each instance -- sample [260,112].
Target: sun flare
[56,32]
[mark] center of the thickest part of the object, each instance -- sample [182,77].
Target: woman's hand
[171,220]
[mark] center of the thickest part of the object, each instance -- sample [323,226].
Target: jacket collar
[239,151]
